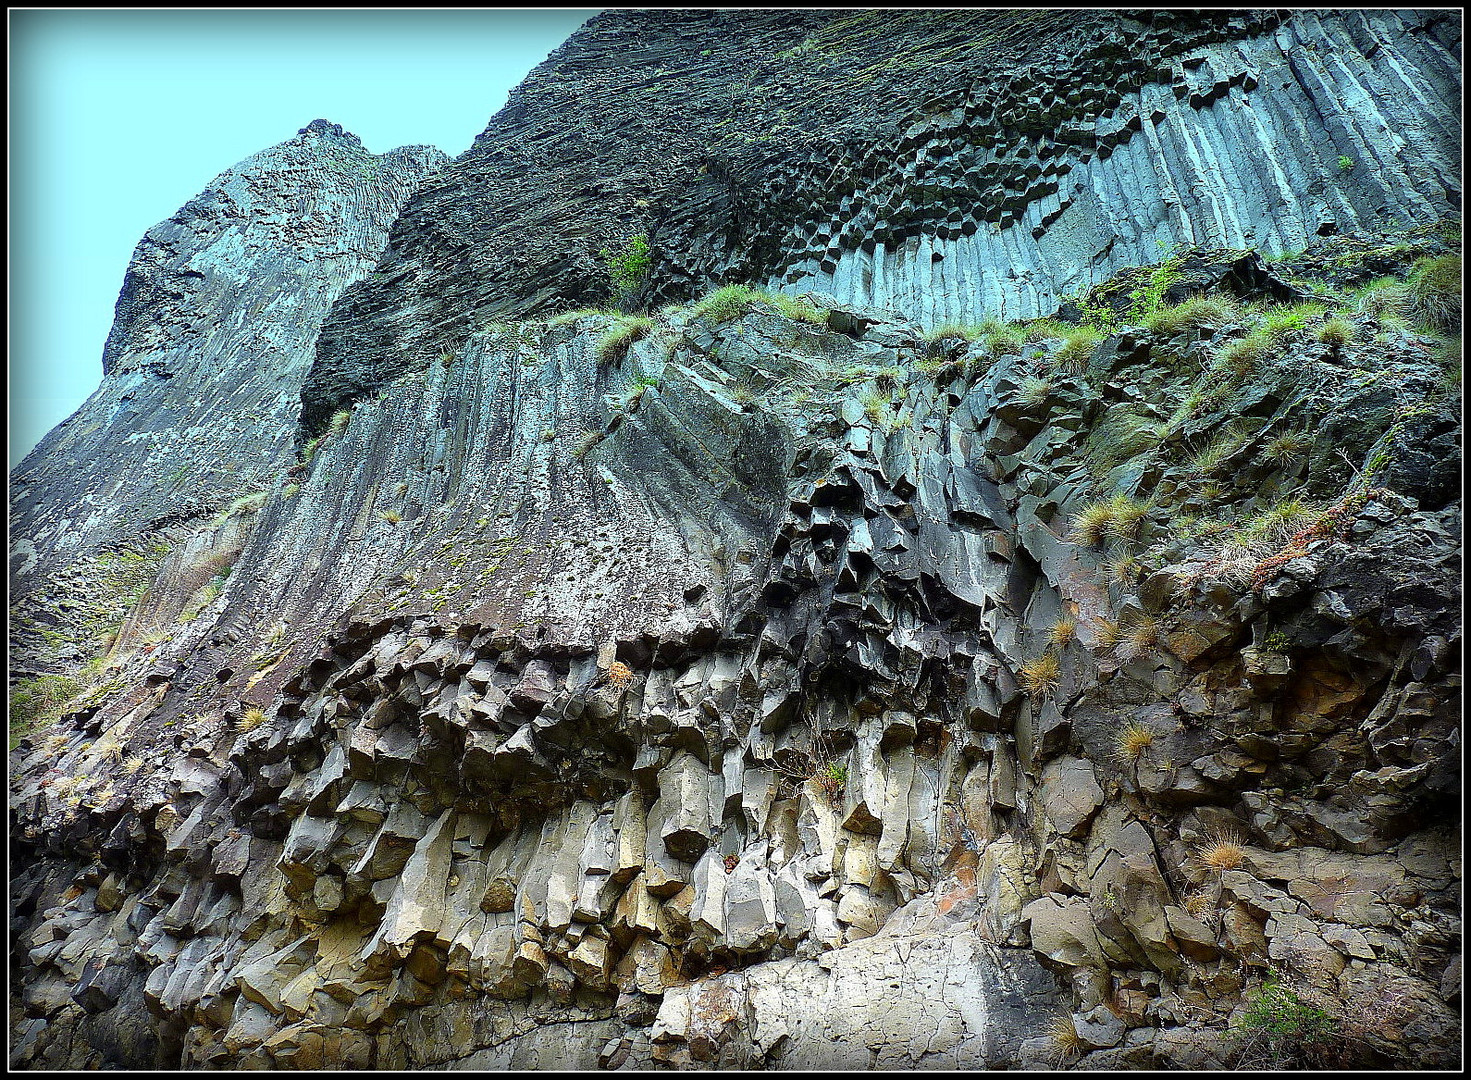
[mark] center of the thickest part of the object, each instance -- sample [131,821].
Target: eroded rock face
[216,329]
[754,693]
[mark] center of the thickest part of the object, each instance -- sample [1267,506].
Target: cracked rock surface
[793,684]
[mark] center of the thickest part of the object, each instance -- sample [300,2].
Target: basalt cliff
[825,540]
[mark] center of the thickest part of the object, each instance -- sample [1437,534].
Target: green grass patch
[37,702]
[614,344]
[1434,287]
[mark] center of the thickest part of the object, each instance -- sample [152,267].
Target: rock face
[782,681]
[216,329]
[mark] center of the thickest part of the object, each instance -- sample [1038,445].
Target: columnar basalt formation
[779,682]
[215,332]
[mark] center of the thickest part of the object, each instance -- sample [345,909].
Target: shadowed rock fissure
[810,677]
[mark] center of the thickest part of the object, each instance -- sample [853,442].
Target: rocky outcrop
[216,330]
[948,165]
[776,683]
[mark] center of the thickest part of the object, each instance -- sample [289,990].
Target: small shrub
[446,357]
[628,266]
[1131,742]
[1039,677]
[393,517]
[832,780]
[614,344]
[1275,642]
[620,674]
[1279,1030]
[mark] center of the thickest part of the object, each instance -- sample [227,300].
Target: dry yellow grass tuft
[1066,1042]
[1107,633]
[620,674]
[1040,677]
[1092,524]
[252,719]
[1219,853]
[1132,742]
[1063,631]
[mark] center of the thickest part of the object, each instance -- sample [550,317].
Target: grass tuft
[614,344]
[1288,448]
[1336,333]
[1039,677]
[1219,853]
[250,720]
[1434,289]
[1192,314]
[1131,742]
[1063,631]
[585,442]
[1002,340]
[1065,1041]
[1033,390]
[1076,350]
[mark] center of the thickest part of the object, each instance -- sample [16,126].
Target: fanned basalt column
[770,681]
[950,165]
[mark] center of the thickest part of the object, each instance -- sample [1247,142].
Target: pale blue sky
[118,118]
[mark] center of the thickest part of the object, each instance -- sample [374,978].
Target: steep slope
[215,332]
[780,680]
